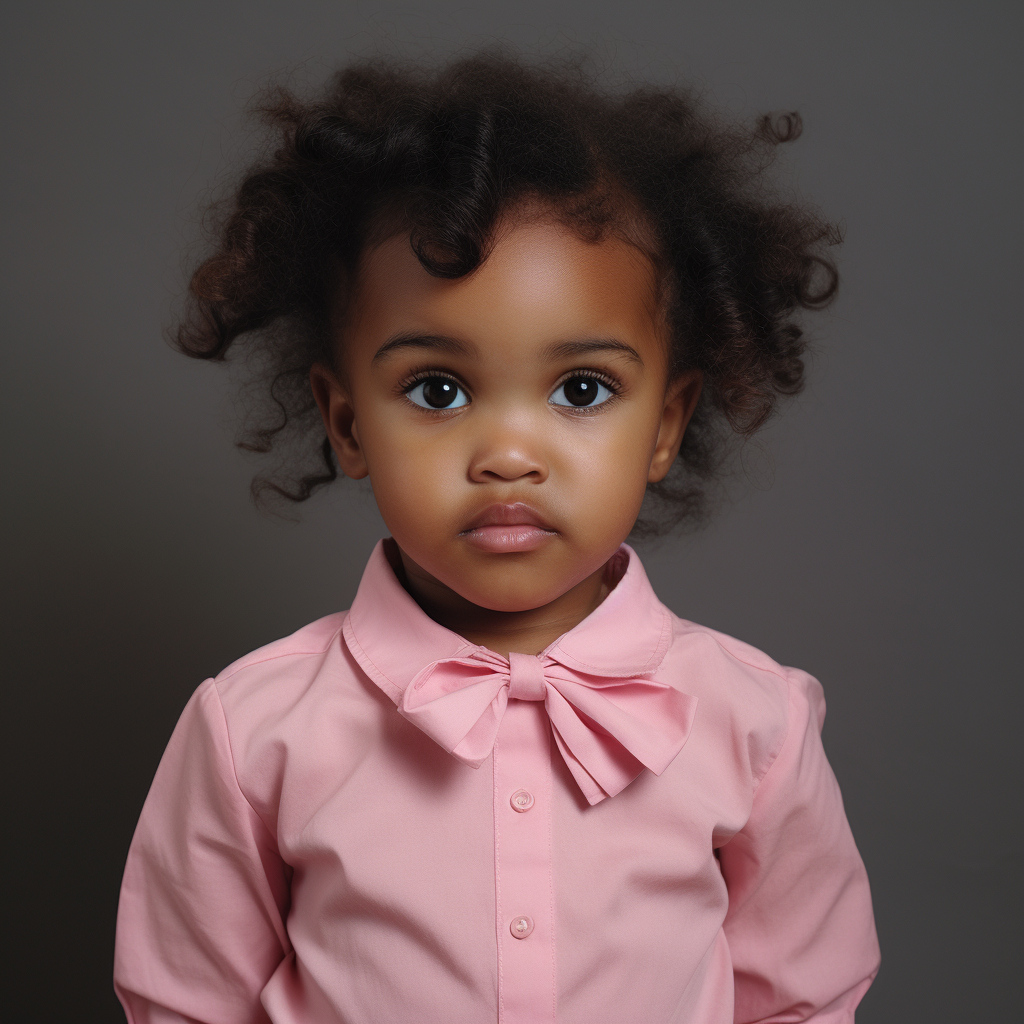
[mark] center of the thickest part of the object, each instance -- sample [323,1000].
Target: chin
[517,586]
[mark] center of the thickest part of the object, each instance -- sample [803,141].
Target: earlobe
[338,415]
[680,403]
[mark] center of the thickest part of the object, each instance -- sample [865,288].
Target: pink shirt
[307,853]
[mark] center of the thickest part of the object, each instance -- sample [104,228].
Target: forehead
[540,283]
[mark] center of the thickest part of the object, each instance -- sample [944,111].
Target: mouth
[503,529]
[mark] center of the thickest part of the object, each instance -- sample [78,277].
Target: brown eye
[437,393]
[581,391]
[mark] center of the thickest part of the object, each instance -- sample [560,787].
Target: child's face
[531,395]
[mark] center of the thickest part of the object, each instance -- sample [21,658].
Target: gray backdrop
[867,538]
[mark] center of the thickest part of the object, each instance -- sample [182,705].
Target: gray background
[866,538]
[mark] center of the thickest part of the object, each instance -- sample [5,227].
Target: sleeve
[800,926]
[200,924]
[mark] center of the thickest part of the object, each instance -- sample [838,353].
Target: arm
[800,925]
[200,925]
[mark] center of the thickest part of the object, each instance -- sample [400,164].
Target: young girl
[508,784]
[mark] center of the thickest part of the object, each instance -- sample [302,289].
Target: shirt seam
[789,705]
[785,738]
[222,678]
[551,873]
[234,770]
[499,922]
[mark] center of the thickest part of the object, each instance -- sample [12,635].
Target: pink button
[521,800]
[521,927]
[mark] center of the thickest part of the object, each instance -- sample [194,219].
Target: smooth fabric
[310,852]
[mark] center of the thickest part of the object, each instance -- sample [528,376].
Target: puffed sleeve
[800,926]
[200,924]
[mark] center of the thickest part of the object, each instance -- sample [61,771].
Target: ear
[339,418]
[680,402]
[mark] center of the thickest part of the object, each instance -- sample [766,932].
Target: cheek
[412,475]
[608,472]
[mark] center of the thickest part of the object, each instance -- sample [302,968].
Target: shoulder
[734,659]
[741,690]
[311,640]
[267,682]
[290,708]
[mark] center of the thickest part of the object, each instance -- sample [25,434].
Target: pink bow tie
[607,729]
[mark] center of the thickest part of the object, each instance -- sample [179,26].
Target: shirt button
[521,800]
[521,927]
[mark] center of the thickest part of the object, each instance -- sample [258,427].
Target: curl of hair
[442,153]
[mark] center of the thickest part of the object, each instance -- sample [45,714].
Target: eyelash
[419,376]
[613,385]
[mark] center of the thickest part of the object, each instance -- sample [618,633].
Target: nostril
[507,466]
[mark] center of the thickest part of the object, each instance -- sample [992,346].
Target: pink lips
[508,528]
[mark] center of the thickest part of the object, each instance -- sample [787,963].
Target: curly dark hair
[442,153]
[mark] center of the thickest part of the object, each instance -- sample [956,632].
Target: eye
[437,393]
[581,391]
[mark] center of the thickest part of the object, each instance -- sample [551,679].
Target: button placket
[523,865]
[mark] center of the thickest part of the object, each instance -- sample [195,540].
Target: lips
[512,528]
[519,514]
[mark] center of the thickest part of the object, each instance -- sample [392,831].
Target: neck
[524,632]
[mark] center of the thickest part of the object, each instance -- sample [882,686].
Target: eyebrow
[440,342]
[561,350]
[578,348]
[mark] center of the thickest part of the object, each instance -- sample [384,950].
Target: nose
[510,447]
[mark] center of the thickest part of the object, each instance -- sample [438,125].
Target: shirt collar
[392,638]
